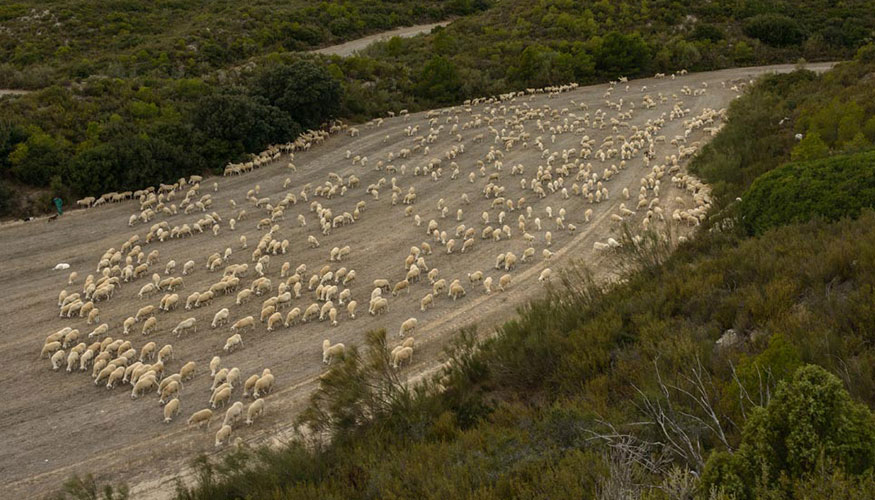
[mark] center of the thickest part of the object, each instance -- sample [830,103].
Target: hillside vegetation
[737,366]
[134,94]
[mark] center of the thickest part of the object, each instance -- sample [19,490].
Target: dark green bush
[831,188]
[774,29]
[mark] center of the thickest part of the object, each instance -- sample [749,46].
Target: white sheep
[184,325]
[233,342]
[331,351]
[256,408]
[408,326]
[233,414]
[171,409]
[201,418]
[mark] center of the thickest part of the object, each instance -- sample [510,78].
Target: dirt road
[353,46]
[54,424]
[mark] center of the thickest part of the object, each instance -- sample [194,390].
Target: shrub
[774,29]
[811,421]
[796,192]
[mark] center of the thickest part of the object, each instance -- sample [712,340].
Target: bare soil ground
[54,424]
[353,46]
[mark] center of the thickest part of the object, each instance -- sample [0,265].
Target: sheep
[214,365]
[187,371]
[50,348]
[144,312]
[378,306]
[171,409]
[544,278]
[426,302]
[264,384]
[256,408]
[331,351]
[350,308]
[504,282]
[233,342]
[188,267]
[201,418]
[221,398]
[233,414]
[274,320]
[456,291]
[221,317]
[243,323]
[249,385]
[184,325]
[408,325]
[170,389]
[142,385]
[72,360]
[57,359]
[165,354]
[401,355]
[401,285]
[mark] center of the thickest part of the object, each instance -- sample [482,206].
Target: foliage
[812,421]
[840,186]
[774,29]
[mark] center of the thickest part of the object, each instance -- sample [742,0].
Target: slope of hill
[136,446]
[737,367]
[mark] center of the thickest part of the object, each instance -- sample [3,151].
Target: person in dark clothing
[58,203]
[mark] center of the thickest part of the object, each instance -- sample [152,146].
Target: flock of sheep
[502,203]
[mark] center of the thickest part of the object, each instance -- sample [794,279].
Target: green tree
[774,29]
[621,54]
[811,147]
[439,81]
[811,420]
[303,90]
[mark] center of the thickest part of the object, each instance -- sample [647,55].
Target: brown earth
[54,424]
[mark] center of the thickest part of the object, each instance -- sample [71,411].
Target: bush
[774,29]
[796,192]
[812,421]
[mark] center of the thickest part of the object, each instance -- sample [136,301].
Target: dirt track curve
[353,46]
[54,424]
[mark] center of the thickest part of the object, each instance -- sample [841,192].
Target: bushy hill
[125,76]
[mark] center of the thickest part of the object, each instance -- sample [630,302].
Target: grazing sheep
[143,385]
[150,325]
[165,354]
[233,342]
[171,389]
[222,397]
[57,359]
[221,317]
[544,278]
[249,385]
[256,408]
[401,355]
[184,325]
[233,414]
[50,348]
[214,365]
[201,418]
[426,302]
[222,435]
[274,320]
[331,351]
[171,409]
[263,385]
[241,324]
[350,308]
[408,326]
[187,371]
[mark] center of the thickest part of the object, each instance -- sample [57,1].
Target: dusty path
[352,46]
[13,92]
[53,424]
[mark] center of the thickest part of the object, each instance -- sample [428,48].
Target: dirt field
[349,48]
[54,424]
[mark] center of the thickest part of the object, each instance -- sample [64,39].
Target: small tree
[812,420]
